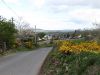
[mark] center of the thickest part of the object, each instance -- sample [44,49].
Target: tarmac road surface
[24,63]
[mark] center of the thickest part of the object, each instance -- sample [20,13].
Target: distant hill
[41,30]
[61,30]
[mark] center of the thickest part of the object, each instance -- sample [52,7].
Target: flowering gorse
[70,46]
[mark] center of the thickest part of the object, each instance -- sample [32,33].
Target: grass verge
[85,63]
[15,50]
[22,49]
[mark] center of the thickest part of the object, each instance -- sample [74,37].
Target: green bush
[74,64]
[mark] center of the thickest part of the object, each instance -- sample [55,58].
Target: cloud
[6,13]
[66,14]
[46,23]
[94,3]
[86,15]
[37,3]
[59,25]
[56,14]
[57,6]
[12,1]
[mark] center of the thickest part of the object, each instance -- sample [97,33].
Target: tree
[7,32]
[41,35]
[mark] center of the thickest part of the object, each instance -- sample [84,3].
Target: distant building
[47,37]
[79,36]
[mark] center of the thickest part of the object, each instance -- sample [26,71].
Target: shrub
[70,46]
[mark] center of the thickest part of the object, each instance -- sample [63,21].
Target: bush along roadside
[28,46]
[64,63]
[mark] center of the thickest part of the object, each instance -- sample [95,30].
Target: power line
[3,1]
[10,8]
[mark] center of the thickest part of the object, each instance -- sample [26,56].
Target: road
[24,63]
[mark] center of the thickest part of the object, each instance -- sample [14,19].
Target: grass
[15,50]
[22,49]
[46,45]
[85,63]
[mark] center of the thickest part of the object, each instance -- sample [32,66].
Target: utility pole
[12,20]
[35,36]
[5,46]
[0,18]
[4,43]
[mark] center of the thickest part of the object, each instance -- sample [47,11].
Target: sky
[54,14]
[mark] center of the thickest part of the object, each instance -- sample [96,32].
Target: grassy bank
[70,63]
[22,49]
[75,64]
[15,50]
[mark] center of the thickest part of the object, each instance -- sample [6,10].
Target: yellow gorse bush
[70,46]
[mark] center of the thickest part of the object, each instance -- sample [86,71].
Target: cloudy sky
[54,14]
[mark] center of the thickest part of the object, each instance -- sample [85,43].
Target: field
[73,58]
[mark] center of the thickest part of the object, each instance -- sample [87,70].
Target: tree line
[7,33]
[14,36]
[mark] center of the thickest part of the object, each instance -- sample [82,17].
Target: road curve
[25,63]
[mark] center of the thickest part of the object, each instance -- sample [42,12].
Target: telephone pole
[12,20]
[0,18]
[35,36]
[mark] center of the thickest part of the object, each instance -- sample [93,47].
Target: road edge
[40,70]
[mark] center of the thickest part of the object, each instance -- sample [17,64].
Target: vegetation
[18,38]
[41,35]
[78,47]
[80,60]
[12,37]
[7,33]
